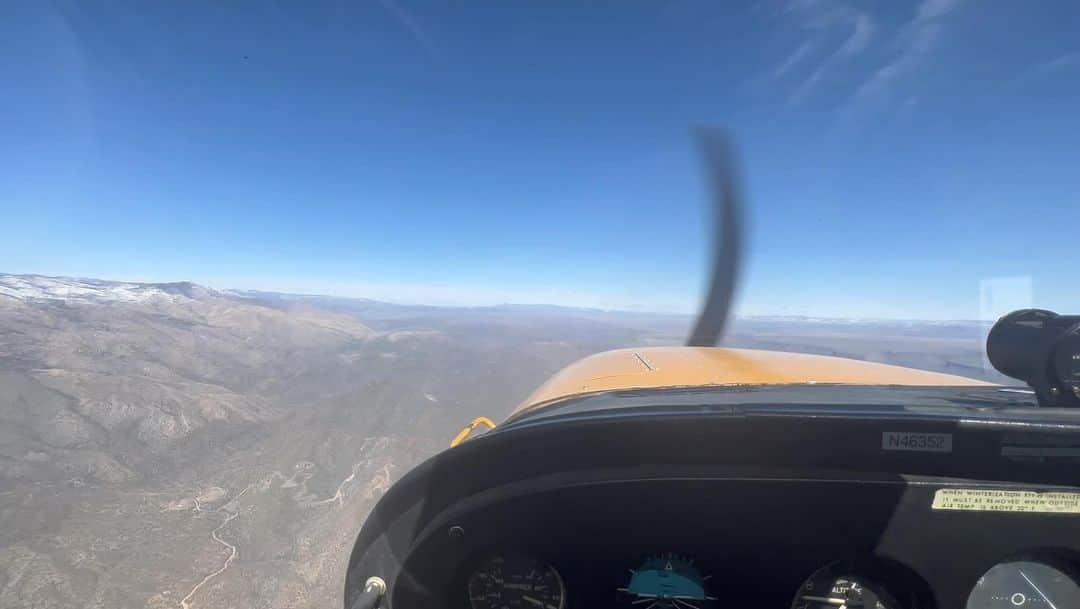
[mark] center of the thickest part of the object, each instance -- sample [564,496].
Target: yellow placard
[994,500]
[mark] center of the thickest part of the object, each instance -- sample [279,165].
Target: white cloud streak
[825,19]
[808,84]
[862,32]
[933,9]
[1057,64]
[791,60]
[922,42]
[916,42]
[410,24]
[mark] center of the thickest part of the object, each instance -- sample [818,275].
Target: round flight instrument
[1024,584]
[516,581]
[832,587]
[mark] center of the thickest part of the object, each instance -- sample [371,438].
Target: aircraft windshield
[261,258]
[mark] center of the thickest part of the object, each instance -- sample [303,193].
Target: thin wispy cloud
[792,60]
[860,36]
[819,14]
[808,84]
[1057,64]
[919,44]
[826,21]
[915,43]
[932,9]
[410,24]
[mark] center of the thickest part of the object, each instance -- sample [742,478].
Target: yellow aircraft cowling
[659,367]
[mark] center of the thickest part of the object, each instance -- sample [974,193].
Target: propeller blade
[719,159]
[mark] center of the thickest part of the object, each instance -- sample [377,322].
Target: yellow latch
[464,433]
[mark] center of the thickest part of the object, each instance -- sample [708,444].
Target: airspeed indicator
[516,581]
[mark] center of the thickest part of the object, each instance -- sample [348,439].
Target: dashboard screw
[456,532]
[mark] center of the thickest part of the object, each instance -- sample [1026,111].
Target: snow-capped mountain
[68,289]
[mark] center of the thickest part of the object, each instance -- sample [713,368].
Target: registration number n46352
[917,441]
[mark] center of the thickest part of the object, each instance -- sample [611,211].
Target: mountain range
[173,445]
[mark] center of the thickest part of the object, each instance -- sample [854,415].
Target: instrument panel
[847,505]
[671,581]
[516,580]
[708,542]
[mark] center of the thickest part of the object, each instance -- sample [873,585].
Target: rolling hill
[172,445]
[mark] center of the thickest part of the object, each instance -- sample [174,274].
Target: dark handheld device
[1042,349]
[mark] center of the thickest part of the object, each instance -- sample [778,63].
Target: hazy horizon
[688,315]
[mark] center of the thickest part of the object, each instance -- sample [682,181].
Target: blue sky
[896,154]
